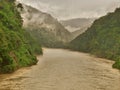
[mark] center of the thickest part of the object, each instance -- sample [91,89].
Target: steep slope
[14,49]
[78,32]
[102,38]
[77,23]
[41,24]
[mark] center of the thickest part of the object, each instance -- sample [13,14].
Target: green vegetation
[46,38]
[15,51]
[34,45]
[102,38]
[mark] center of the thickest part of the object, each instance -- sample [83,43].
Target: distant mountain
[78,32]
[102,38]
[77,23]
[40,24]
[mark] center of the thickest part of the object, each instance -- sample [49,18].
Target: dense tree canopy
[15,51]
[102,38]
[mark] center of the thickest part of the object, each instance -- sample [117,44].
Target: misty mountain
[77,26]
[77,23]
[78,32]
[45,28]
[67,9]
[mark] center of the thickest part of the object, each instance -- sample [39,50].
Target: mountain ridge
[35,19]
[77,23]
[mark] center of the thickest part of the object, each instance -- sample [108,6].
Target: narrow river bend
[60,69]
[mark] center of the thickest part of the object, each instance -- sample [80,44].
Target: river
[60,69]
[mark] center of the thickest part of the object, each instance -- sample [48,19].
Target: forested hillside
[15,51]
[102,38]
[46,38]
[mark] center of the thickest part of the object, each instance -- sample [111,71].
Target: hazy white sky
[65,9]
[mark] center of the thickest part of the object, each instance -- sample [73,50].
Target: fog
[66,9]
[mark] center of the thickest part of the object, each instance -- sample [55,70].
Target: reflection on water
[64,70]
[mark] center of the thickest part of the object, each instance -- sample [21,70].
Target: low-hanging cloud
[65,9]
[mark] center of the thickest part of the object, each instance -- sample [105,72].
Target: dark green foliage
[15,52]
[117,64]
[46,38]
[102,38]
[20,6]
[34,44]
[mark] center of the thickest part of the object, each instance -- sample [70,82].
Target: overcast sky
[65,9]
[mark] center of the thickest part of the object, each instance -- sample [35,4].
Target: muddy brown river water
[60,69]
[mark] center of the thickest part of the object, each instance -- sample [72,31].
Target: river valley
[60,69]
